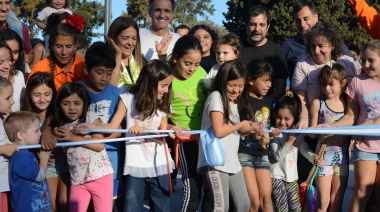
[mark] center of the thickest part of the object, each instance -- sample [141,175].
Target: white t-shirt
[4,161]
[47,11]
[230,143]
[148,45]
[210,76]
[18,91]
[144,158]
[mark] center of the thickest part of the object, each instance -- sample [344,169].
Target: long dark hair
[35,80]
[182,47]
[8,35]
[290,101]
[61,29]
[233,70]
[66,90]
[145,89]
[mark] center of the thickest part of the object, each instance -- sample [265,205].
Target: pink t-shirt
[306,75]
[366,92]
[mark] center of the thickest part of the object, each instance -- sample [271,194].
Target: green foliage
[218,29]
[186,11]
[92,12]
[339,12]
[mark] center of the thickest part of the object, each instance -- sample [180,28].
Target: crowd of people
[150,78]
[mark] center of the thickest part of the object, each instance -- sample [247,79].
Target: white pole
[107,15]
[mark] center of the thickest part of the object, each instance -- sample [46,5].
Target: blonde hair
[373,45]
[19,121]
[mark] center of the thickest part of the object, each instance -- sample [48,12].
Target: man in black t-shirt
[258,47]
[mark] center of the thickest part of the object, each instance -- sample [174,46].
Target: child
[208,38]
[29,190]
[362,106]
[104,98]
[283,155]
[253,153]
[146,107]
[14,41]
[332,177]
[6,149]
[39,94]
[222,113]
[63,64]
[188,93]
[52,6]
[228,48]
[82,46]
[90,168]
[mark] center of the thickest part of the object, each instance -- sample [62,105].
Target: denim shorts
[358,154]
[255,162]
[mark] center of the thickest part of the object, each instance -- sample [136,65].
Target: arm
[278,152]
[221,129]
[367,17]
[314,114]
[305,150]
[41,24]
[8,149]
[116,71]
[303,122]
[162,46]
[66,134]
[48,140]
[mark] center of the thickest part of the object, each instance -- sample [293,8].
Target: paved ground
[177,195]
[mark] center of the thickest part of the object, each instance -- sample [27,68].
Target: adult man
[8,20]
[305,16]
[157,39]
[258,47]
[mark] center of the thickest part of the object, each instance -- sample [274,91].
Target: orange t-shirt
[367,17]
[76,72]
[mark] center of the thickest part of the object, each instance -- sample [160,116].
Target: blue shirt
[26,193]
[104,105]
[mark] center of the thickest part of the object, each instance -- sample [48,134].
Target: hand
[44,155]
[319,161]
[358,139]
[276,132]
[303,123]
[291,137]
[254,126]
[115,47]
[48,141]
[258,134]
[162,47]
[8,149]
[177,132]
[80,127]
[136,130]
[64,134]
[325,125]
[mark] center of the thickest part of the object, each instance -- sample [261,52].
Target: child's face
[41,97]
[284,119]
[371,64]
[33,134]
[205,39]
[72,107]
[235,88]
[127,40]
[58,4]
[332,89]
[5,62]
[260,86]
[225,53]
[99,77]
[321,50]
[188,64]
[64,49]
[6,99]
[13,44]
[163,87]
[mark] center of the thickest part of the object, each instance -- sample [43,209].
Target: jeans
[159,199]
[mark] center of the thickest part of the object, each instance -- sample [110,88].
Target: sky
[219,5]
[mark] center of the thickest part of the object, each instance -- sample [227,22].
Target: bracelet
[162,55]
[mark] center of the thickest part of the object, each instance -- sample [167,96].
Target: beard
[256,40]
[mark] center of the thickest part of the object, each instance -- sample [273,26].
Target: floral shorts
[335,161]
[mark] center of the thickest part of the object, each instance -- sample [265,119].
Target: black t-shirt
[208,62]
[272,53]
[261,114]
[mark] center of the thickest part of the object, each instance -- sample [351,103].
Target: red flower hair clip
[76,21]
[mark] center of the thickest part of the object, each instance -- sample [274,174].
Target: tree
[218,29]
[92,12]
[282,26]
[186,11]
